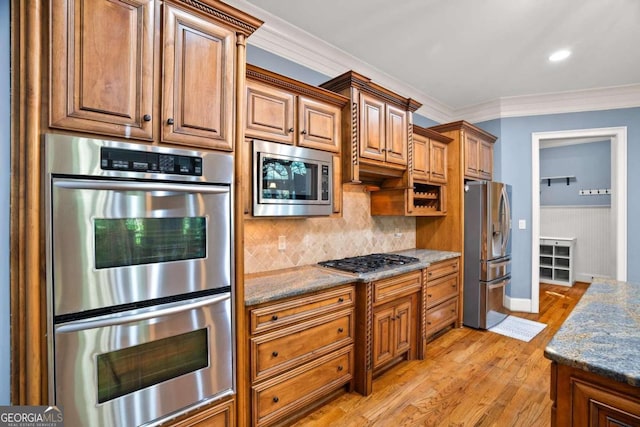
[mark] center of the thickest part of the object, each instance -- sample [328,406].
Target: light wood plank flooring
[468,378]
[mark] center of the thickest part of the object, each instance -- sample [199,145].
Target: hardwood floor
[468,378]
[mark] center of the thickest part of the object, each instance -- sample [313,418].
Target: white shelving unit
[556,260]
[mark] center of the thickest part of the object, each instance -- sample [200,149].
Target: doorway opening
[618,138]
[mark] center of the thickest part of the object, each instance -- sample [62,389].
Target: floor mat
[516,327]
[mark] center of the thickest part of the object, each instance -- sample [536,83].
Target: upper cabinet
[375,132]
[284,110]
[131,87]
[477,148]
[429,156]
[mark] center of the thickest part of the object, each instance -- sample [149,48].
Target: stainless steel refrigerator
[487,252]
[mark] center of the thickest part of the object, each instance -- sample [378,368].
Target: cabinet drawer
[285,313]
[442,268]
[276,398]
[394,287]
[441,289]
[442,315]
[286,348]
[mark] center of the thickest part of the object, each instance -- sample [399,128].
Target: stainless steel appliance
[291,181]
[369,263]
[139,279]
[487,252]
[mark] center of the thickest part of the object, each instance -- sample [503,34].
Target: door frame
[618,137]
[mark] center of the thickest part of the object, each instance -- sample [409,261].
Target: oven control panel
[145,161]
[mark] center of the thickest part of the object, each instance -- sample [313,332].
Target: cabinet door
[372,129]
[198,64]
[420,157]
[101,83]
[396,136]
[402,328]
[485,155]
[471,160]
[383,343]
[438,162]
[319,125]
[270,113]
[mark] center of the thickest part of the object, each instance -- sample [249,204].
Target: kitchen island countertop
[602,333]
[278,284]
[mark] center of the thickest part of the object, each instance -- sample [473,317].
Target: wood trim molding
[243,23]
[28,320]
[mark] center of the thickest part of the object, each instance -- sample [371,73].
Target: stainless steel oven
[139,279]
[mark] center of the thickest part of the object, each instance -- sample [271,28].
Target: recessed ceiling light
[559,55]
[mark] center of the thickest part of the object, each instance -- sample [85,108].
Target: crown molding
[290,42]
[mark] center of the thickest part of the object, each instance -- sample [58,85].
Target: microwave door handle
[86,184]
[143,314]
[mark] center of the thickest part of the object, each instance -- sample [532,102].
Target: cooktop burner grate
[369,263]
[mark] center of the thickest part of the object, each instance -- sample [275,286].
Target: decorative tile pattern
[311,240]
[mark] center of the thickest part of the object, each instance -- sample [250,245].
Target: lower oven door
[492,294]
[131,368]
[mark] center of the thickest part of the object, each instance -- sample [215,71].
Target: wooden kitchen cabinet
[301,352]
[283,110]
[216,415]
[582,398]
[387,319]
[376,130]
[180,91]
[422,191]
[440,299]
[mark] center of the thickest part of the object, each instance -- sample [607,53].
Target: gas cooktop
[369,263]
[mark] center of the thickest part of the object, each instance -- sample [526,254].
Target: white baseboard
[518,304]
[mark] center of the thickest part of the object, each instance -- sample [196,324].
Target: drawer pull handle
[274,317]
[276,399]
[340,368]
[274,354]
[340,330]
[340,299]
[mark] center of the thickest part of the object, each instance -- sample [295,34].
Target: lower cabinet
[387,319]
[301,351]
[217,415]
[583,398]
[440,299]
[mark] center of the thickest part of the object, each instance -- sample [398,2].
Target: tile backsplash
[311,240]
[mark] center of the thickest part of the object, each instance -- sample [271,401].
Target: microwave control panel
[325,182]
[145,161]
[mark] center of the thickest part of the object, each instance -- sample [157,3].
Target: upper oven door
[119,242]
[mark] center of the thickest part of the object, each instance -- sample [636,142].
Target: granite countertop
[278,284]
[602,333]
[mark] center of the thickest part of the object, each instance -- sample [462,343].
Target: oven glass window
[131,369]
[134,241]
[289,180]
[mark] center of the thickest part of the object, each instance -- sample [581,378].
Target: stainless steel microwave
[291,181]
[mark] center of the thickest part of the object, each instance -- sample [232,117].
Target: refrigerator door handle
[499,284]
[506,221]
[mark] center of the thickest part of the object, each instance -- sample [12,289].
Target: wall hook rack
[553,178]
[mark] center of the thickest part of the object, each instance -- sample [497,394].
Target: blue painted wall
[589,163]
[515,152]
[5,153]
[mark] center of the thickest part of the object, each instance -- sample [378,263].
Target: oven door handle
[142,314]
[88,184]
[499,284]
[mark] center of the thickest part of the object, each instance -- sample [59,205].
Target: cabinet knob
[274,317]
[340,368]
[290,130]
[146,117]
[453,310]
[169,121]
[274,354]
[429,295]
[398,317]
[428,323]
[431,273]
[340,330]
[304,132]
[276,399]
[340,299]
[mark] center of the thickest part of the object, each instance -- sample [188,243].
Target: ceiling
[466,52]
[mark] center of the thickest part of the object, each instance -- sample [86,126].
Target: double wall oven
[139,280]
